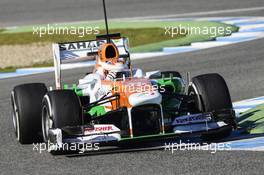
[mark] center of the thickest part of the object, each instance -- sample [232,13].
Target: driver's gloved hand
[111,75]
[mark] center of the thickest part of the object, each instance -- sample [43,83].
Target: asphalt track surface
[241,65]
[23,12]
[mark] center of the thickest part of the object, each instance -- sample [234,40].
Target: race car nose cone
[142,98]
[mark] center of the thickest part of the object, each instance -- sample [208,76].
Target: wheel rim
[198,102]
[47,123]
[15,117]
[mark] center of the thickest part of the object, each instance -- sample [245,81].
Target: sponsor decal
[92,45]
[98,129]
[191,119]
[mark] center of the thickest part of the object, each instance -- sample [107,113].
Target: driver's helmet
[108,62]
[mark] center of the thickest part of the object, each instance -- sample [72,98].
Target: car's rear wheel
[60,108]
[212,94]
[26,102]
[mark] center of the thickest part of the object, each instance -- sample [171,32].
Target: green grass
[13,69]
[172,43]
[253,120]
[115,24]
[139,32]
[136,37]
[8,69]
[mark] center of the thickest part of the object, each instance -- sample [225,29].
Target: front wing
[109,134]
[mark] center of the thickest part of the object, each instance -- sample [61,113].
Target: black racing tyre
[212,94]
[60,108]
[26,102]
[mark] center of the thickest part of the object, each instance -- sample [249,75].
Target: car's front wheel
[212,94]
[60,108]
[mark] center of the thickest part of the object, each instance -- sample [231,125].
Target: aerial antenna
[106,23]
[107,36]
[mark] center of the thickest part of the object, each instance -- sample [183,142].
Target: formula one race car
[117,102]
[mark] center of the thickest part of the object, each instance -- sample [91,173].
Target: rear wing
[81,52]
